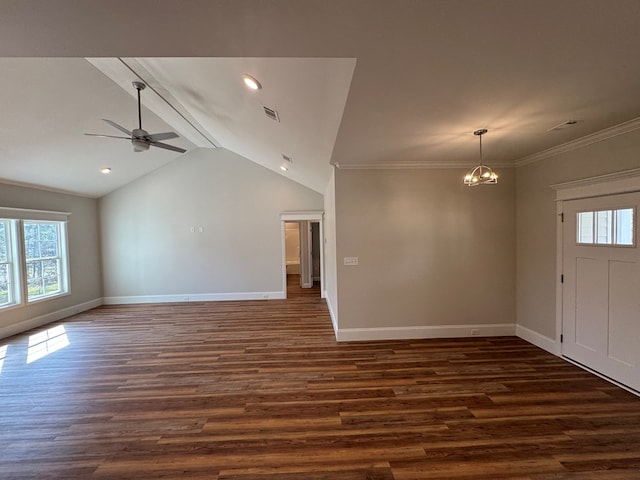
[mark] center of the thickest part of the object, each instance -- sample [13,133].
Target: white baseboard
[334,319]
[539,340]
[194,297]
[432,331]
[35,322]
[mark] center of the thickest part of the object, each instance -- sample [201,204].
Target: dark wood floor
[294,289]
[261,390]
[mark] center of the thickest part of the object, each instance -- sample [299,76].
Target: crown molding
[414,165]
[15,183]
[581,142]
[576,144]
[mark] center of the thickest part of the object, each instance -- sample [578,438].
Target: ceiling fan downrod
[139,86]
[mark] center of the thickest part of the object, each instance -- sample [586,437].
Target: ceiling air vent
[563,125]
[271,113]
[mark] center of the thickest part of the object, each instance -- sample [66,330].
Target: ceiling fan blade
[155,137]
[119,127]
[106,136]
[166,146]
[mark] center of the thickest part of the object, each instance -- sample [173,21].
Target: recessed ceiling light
[286,164]
[251,82]
[105,171]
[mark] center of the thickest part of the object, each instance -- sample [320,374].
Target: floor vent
[271,113]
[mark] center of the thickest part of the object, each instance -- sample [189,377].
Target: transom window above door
[606,227]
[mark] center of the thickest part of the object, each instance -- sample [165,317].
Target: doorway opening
[303,254]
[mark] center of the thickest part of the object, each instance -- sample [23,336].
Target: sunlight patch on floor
[46,342]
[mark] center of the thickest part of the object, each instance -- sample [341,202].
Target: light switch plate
[351,260]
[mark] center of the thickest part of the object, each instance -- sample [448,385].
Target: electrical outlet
[475,332]
[351,261]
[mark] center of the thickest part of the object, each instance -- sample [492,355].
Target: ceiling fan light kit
[140,138]
[480,174]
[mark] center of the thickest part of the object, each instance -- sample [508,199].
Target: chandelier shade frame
[480,174]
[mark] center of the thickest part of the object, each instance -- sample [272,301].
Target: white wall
[436,258]
[329,230]
[536,224]
[84,258]
[150,253]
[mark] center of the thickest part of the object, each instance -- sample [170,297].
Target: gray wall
[431,250]
[84,255]
[148,246]
[536,221]
[416,234]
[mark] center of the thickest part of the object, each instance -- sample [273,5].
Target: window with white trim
[8,267]
[33,256]
[45,260]
[606,227]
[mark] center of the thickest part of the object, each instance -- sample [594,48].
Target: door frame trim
[626,181]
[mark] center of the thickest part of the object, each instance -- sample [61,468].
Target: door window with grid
[606,227]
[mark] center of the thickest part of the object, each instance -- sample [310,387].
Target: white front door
[601,288]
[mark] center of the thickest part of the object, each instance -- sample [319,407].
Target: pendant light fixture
[480,174]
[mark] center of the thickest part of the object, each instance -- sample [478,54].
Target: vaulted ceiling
[358,83]
[204,100]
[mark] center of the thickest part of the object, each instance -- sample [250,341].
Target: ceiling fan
[141,139]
